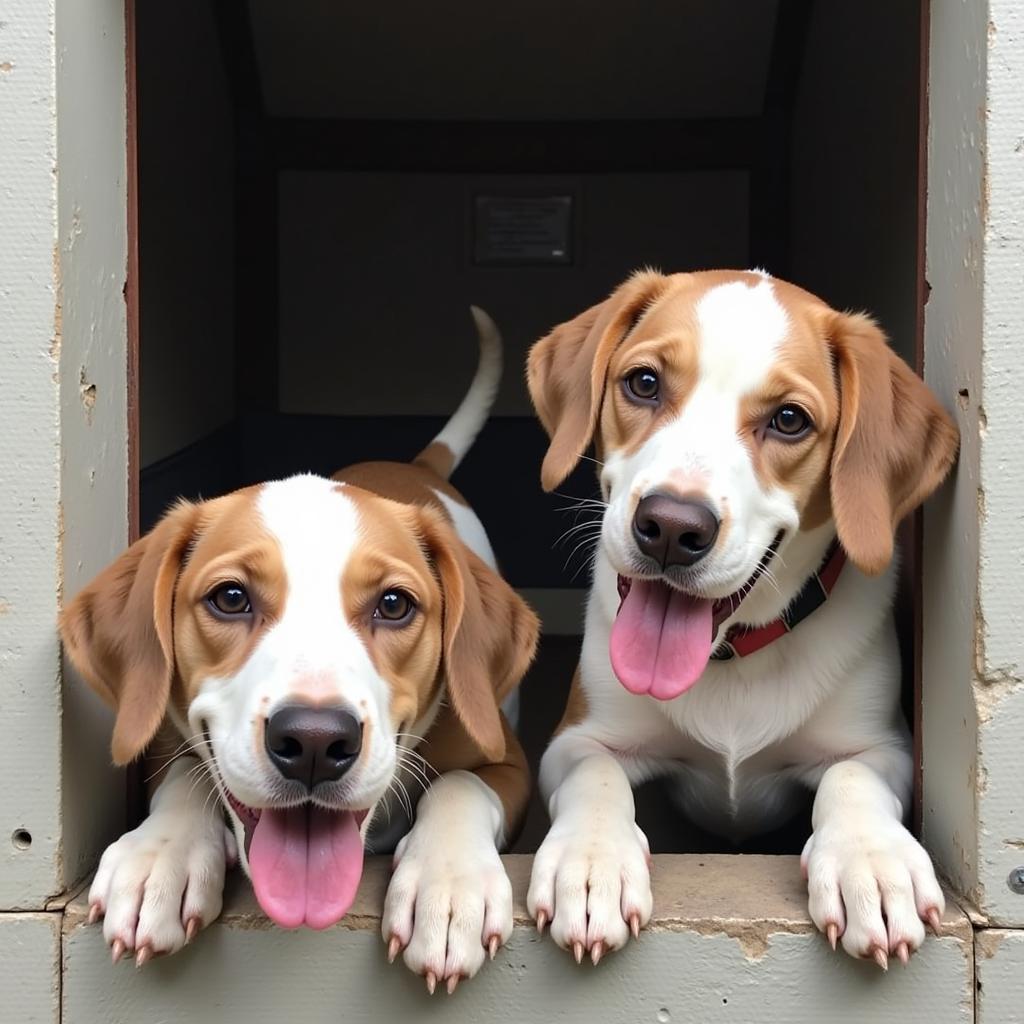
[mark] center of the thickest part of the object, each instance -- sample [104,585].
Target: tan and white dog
[318,644]
[741,427]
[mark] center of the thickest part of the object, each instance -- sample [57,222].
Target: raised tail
[449,448]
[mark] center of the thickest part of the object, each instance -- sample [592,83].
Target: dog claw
[577,951]
[95,913]
[394,948]
[431,982]
[192,929]
[596,952]
[903,953]
[453,984]
[542,920]
[143,956]
[492,946]
[634,925]
[881,958]
[933,920]
[117,949]
[832,931]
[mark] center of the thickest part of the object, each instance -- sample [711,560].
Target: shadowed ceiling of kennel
[327,156]
[533,59]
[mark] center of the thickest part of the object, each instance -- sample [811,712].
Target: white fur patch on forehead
[316,526]
[741,327]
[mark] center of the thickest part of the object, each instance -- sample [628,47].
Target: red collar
[742,641]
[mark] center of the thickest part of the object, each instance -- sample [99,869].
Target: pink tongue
[306,864]
[661,640]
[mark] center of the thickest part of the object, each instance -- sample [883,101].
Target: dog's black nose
[312,745]
[674,531]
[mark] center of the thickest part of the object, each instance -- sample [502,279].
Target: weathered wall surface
[92,246]
[730,941]
[999,959]
[974,532]
[30,977]
[63,466]
[999,642]
[30,524]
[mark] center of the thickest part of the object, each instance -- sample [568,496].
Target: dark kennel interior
[325,186]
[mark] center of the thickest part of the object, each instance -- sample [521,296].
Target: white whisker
[416,772]
[189,746]
[403,795]
[581,546]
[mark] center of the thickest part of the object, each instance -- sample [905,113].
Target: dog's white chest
[735,796]
[741,755]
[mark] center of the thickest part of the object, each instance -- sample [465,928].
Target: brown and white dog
[742,427]
[318,645]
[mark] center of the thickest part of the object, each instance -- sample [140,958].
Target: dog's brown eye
[395,607]
[643,384]
[230,599]
[790,422]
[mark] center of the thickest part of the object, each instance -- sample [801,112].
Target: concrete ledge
[999,954]
[30,967]
[730,941]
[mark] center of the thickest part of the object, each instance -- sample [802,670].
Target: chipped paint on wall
[93,247]
[29,457]
[974,533]
[999,955]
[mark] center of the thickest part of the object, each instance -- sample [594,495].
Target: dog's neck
[799,556]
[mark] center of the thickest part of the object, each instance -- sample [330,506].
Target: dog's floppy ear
[490,635]
[566,371]
[894,446]
[118,631]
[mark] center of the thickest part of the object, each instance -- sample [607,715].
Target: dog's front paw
[592,881]
[447,905]
[872,885]
[159,884]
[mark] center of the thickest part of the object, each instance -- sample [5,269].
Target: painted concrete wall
[730,941]
[92,248]
[30,526]
[999,638]
[974,533]
[63,420]
[30,967]
[999,958]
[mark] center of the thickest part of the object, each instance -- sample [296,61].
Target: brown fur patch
[408,484]
[119,633]
[231,545]
[667,342]
[802,375]
[567,371]
[450,747]
[437,458]
[490,635]
[391,555]
[473,634]
[471,628]
[894,445]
